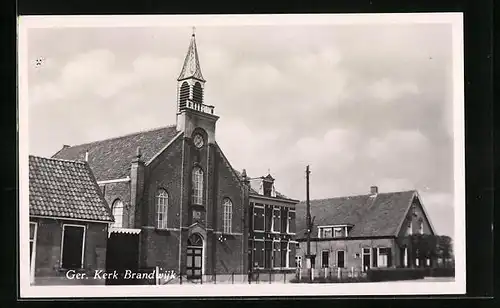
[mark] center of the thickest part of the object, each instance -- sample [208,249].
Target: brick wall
[48,246]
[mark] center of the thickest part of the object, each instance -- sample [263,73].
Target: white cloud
[396,143]
[388,90]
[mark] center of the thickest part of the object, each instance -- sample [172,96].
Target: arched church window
[183,95]
[197,179]
[161,209]
[228,215]
[197,93]
[117,210]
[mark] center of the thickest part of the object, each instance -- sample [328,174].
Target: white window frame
[378,257]
[322,229]
[272,220]
[345,258]
[227,220]
[263,216]
[83,243]
[421,227]
[288,221]
[113,207]
[337,229]
[273,255]
[162,208]
[263,253]
[197,181]
[405,257]
[328,264]
[33,253]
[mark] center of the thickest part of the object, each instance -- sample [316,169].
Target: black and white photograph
[241,155]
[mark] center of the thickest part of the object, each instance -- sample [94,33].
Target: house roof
[65,189]
[255,186]
[110,159]
[371,215]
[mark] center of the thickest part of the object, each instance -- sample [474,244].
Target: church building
[177,202]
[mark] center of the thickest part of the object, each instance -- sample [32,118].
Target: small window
[421,227]
[325,255]
[338,232]
[291,222]
[72,248]
[326,232]
[298,261]
[117,210]
[161,209]
[340,259]
[258,218]
[228,215]
[409,231]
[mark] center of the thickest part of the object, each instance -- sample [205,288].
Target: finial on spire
[194,31]
[268,170]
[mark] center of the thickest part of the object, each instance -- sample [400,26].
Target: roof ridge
[123,136]
[59,159]
[363,195]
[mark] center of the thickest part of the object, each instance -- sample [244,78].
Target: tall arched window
[161,209]
[197,178]
[117,210]
[228,215]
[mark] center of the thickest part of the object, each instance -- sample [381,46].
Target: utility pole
[309,257]
[308,214]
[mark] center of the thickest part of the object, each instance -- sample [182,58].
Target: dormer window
[337,231]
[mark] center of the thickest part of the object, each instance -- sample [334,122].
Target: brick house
[365,231]
[272,224]
[174,190]
[69,221]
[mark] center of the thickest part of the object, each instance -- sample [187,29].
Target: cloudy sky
[361,104]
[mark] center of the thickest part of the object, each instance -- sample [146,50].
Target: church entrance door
[194,264]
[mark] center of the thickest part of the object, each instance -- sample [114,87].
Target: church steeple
[191,67]
[192,111]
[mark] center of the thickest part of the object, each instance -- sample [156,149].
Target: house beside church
[356,233]
[177,201]
[69,221]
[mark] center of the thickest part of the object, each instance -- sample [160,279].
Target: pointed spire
[191,66]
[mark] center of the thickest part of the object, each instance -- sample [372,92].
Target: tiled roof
[110,159]
[65,189]
[371,215]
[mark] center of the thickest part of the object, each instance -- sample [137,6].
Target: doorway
[194,257]
[366,259]
[122,254]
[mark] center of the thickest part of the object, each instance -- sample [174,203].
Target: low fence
[330,273]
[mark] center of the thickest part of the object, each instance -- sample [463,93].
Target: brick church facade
[173,190]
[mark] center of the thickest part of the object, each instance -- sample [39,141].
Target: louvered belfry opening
[197,93]
[183,95]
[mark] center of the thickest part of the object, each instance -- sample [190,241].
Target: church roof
[191,67]
[370,215]
[110,159]
[65,189]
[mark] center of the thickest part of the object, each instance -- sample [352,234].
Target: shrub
[391,274]
[440,272]
[330,280]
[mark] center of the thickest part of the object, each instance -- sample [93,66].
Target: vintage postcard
[283,155]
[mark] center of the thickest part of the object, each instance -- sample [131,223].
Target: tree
[444,248]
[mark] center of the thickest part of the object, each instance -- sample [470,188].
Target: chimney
[374,190]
